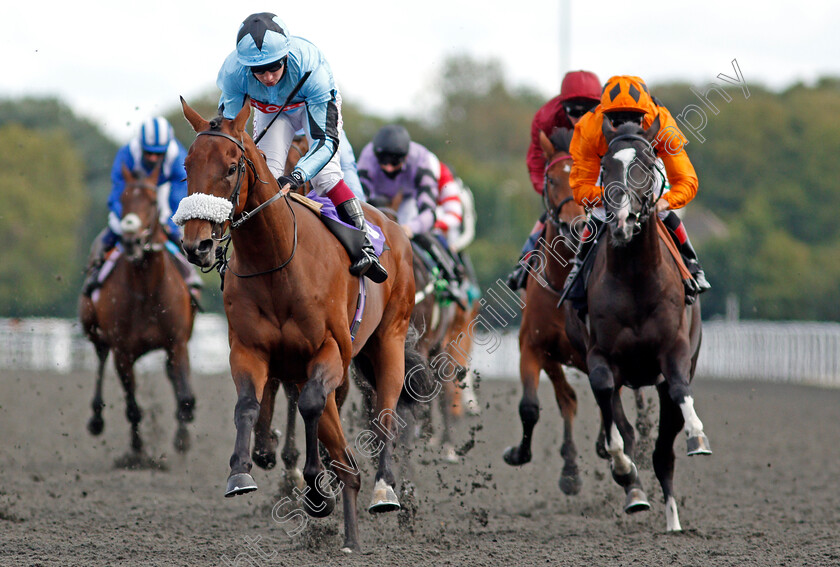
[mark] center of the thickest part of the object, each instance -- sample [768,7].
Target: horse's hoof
[240,483]
[699,445]
[320,509]
[570,482]
[514,457]
[449,454]
[350,548]
[95,425]
[628,478]
[182,439]
[265,460]
[601,448]
[185,411]
[636,501]
[384,498]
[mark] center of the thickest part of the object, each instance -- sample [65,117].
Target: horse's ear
[126,173]
[651,133]
[198,123]
[242,117]
[607,129]
[547,146]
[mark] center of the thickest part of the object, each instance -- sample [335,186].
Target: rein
[553,214]
[222,260]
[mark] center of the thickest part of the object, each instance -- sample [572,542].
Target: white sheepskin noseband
[202,206]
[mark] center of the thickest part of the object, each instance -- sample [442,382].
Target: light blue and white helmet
[155,135]
[262,39]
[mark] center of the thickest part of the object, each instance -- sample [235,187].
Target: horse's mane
[561,139]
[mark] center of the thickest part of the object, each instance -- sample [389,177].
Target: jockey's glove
[294,180]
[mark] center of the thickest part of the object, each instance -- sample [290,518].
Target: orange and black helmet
[625,92]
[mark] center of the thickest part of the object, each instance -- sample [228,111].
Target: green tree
[42,182]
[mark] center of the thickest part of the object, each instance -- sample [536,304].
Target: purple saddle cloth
[377,238]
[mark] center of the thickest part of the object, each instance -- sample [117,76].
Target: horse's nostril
[205,246]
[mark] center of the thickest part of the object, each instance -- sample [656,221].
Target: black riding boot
[577,293]
[350,211]
[673,223]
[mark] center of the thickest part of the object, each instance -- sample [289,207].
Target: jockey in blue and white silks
[154,145]
[267,65]
[156,142]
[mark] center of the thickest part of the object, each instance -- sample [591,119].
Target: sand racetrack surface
[768,496]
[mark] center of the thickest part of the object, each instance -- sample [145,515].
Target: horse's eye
[231,170]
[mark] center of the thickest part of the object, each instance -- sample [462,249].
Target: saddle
[350,237]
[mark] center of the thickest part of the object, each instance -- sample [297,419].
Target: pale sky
[120,62]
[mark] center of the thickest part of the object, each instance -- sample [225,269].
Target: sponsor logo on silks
[267,108]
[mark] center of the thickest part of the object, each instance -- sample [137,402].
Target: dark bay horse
[543,343]
[290,301]
[142,306]
[639,331]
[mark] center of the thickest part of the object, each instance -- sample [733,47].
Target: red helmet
[580,84]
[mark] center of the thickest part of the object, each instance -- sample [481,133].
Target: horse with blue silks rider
[155,146]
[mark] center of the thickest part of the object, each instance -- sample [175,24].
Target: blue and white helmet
[262,39]
[155,135]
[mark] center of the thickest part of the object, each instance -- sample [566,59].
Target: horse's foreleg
[670,424]
[390,375]
[96,424]
[567,402]
[289,454]
[325,373]
[676,369]
[344,467]
[124,364]
[250,374]
[266,440]
[178,371]
[529,407]
[624,471]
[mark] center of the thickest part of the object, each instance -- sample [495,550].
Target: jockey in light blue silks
[155,144]
[267,64]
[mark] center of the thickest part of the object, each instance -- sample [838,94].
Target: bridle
[222,259]
[143,240]
[553,213]
[647,201]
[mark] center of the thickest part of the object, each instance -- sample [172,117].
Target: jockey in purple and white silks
[393,165]
[267,65]
[406,175]
[155,144]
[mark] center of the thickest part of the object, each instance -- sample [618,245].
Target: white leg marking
[672,517]
[693,425]
[615,447]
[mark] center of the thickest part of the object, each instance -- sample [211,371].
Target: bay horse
[438,324]
[640,331]
[143,305]
[290,302]
[543,343]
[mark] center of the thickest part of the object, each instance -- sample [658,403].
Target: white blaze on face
[130,223]
[625,157]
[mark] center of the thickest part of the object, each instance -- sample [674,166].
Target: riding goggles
[578,108]
[270,67]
